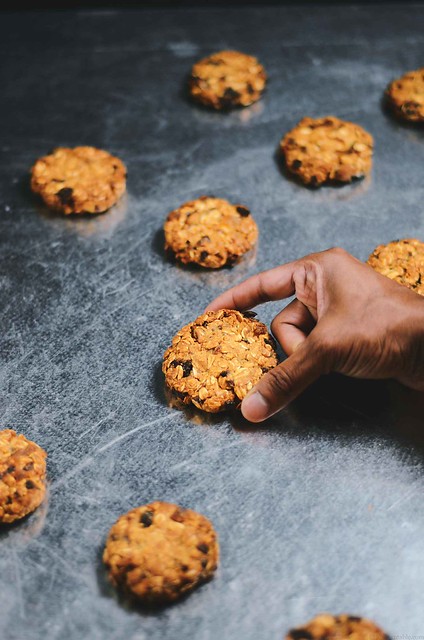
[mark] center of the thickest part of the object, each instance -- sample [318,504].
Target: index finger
[274,284]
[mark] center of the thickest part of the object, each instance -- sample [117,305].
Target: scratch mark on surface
[85,462]
[89,327]
[94,426]
[119,289]
[76,574]
[130,433]
[18,581]
[402,499]
[187,461]
[52,578]
[132,247]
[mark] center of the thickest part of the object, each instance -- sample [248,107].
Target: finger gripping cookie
[327,150]
[160,551]
[227,79]
[405,96]
[342,627]
[210,232]
[402,261]
[22,476]
[214,361]
[79,180]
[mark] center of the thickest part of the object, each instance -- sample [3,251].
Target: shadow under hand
[334,405]
[365,408]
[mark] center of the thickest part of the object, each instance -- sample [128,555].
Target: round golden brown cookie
[227,79]
[327,150]
[159,551]
[22,476]
[405,96]
[343,627]
[402,261]
[214,361]
[79,180]
[210,232]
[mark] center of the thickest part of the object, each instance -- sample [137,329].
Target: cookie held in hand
[215,361]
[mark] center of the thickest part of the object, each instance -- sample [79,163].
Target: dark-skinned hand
[345,318]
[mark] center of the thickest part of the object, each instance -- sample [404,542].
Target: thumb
[277,388]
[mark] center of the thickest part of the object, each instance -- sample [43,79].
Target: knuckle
[262,294]
[305,277]
[337,251]
[333,254]
[314,260]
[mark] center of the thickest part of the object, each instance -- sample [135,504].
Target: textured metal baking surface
[321,508]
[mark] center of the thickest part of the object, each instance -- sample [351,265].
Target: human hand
[345,318]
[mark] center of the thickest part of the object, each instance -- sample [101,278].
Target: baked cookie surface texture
[405,96]
[79,180]
[402,261]
[215,361]
[160,551]
[22,476]
[227,79]
[210,232]
[327,150]
[342,627]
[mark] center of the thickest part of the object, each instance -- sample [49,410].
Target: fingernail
[254,407]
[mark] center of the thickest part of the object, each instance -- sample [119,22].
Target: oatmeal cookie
[405,96]
[214,361]
[342,627]
[402,261]
[227,79]
[22,476]
[79,180]
[327,150]
[160,551]
[210,232]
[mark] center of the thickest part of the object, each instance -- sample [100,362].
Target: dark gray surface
[321,508]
